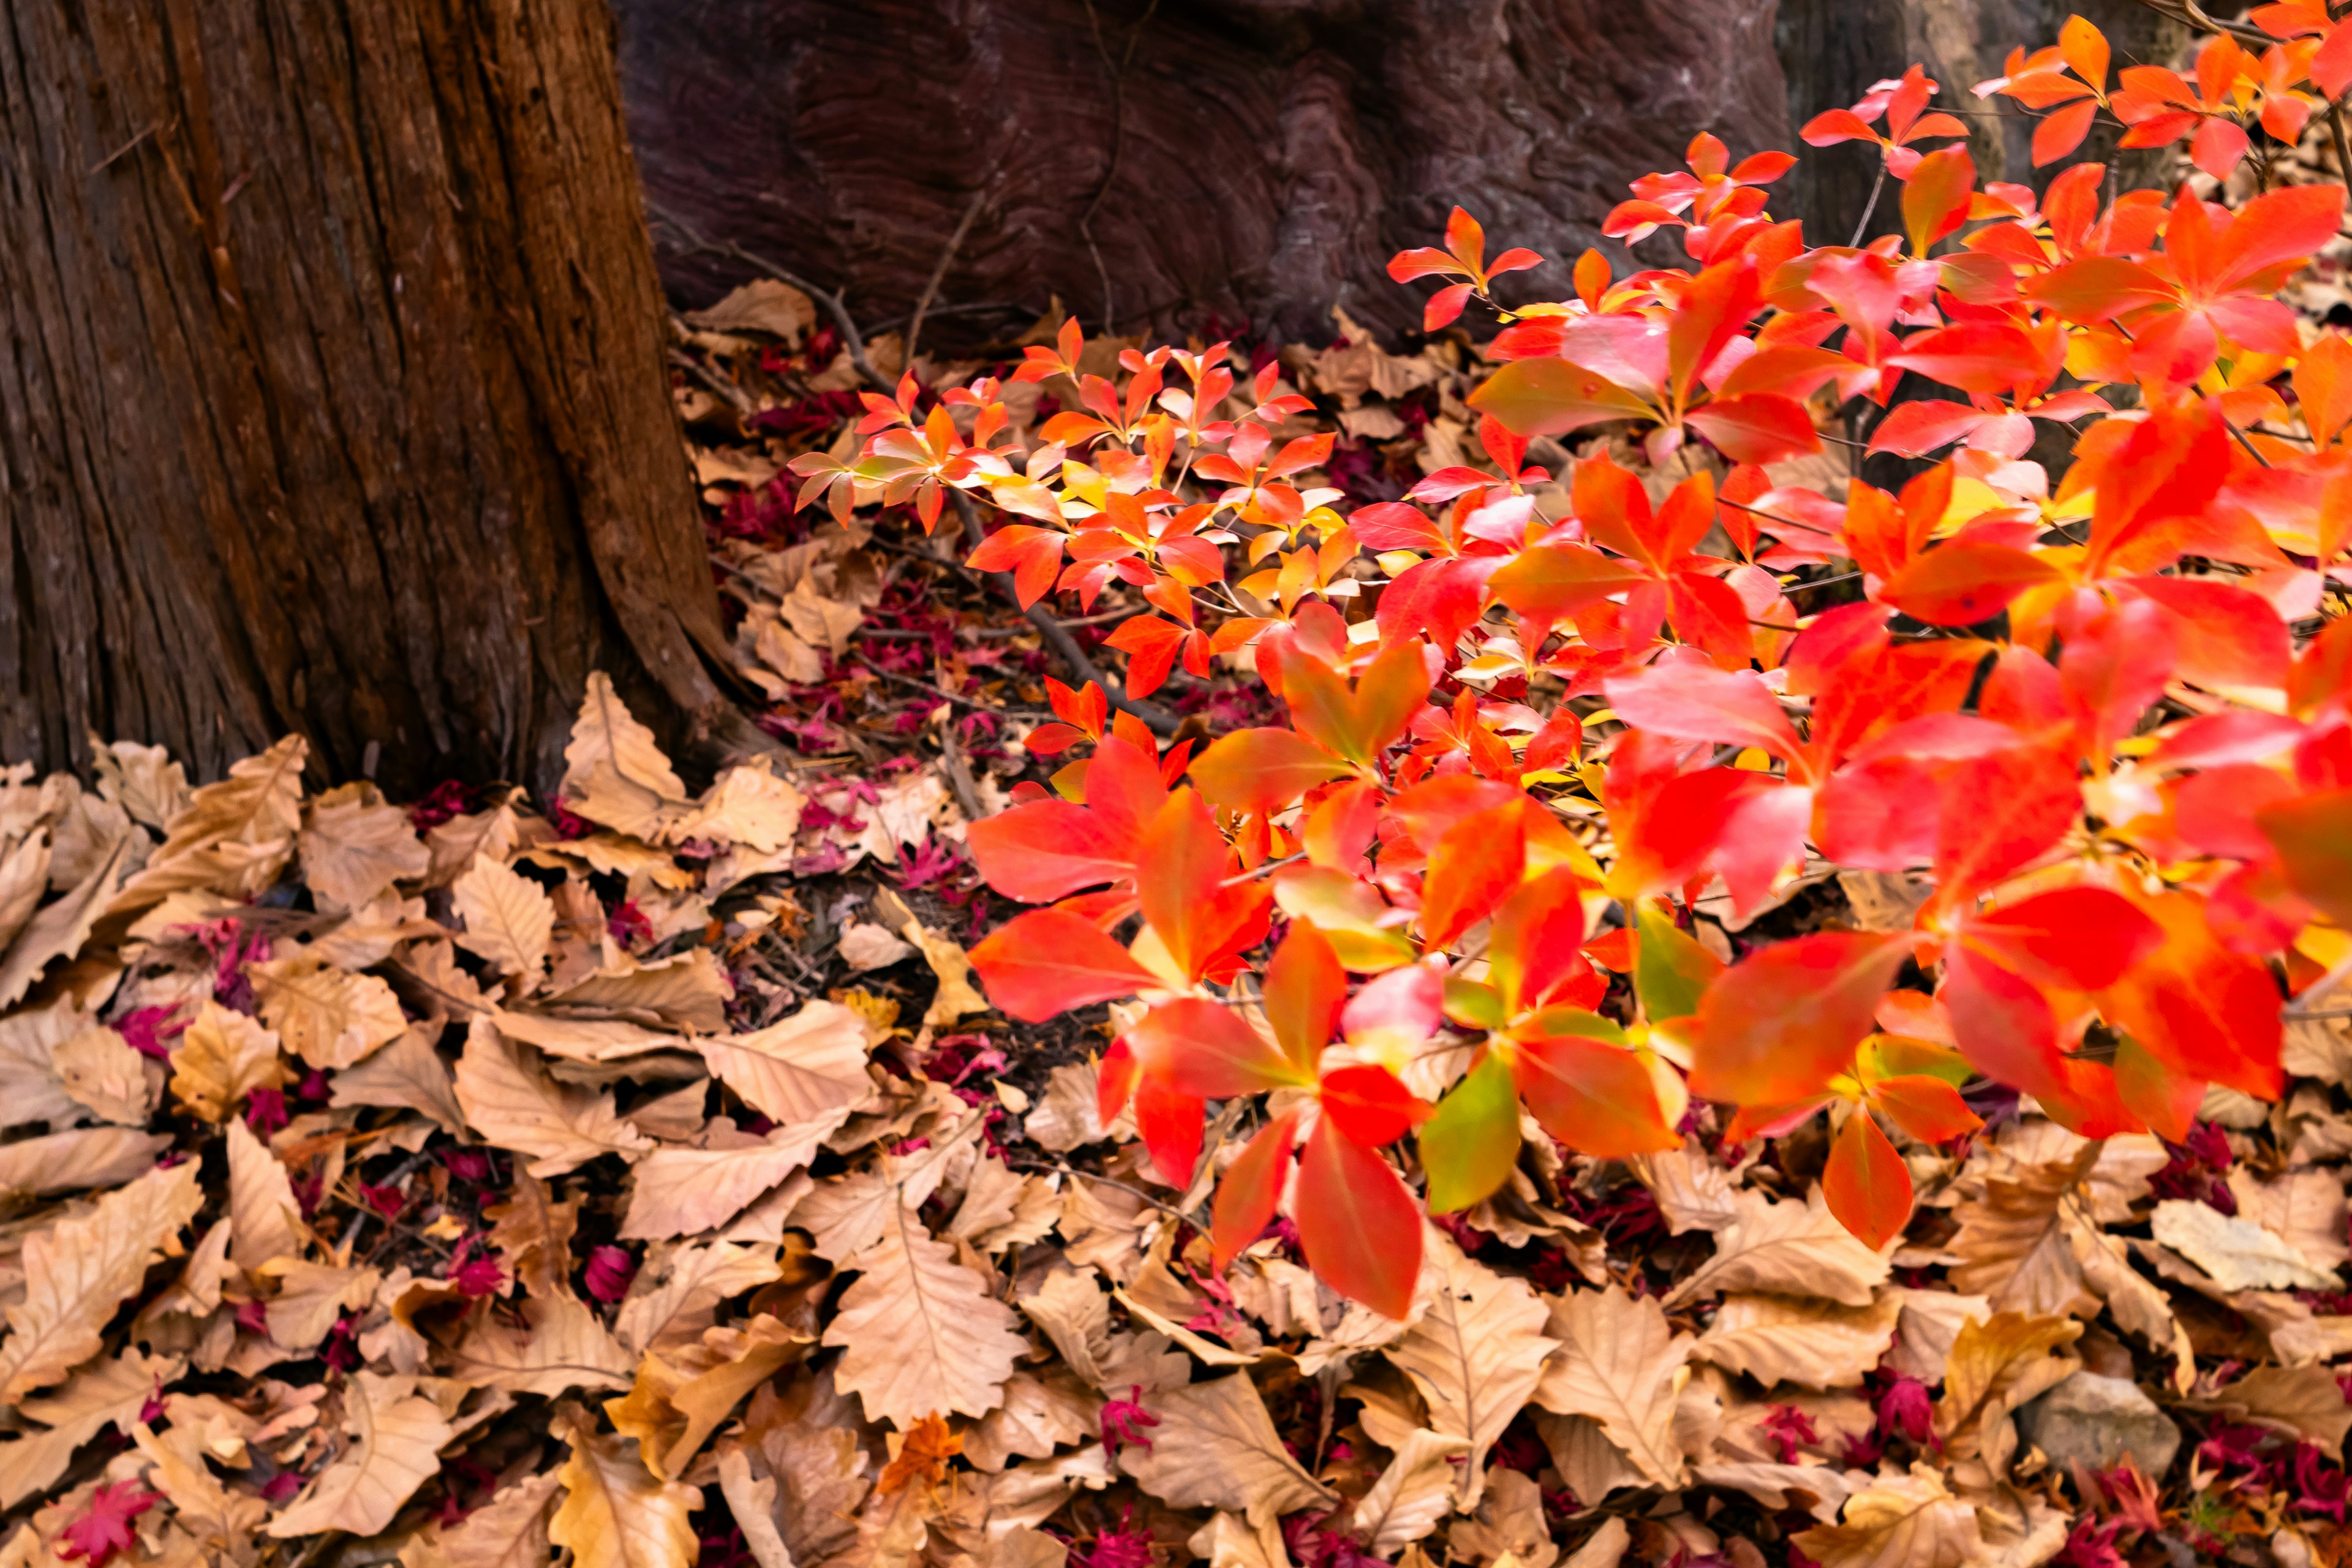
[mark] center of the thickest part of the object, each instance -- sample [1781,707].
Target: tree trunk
[1208,166]
[333,394]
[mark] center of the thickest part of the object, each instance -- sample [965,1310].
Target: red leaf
[1259,771]
[1779,1024]
[1692,702]
[1048,961]
[1249,1190]
[1473,867]
[1916,429]
[1926,1107]
[1304,990]
[2086,938]
[1595,1096]
[1170,1122]
[2314,839]
[1866,1184]
[1048,850]
[1180,879]
[2060,133]
[1359,1227]
[1965,582]
[1034,556]
[1936,196]
[1975,356]
[2000,813]
[1759,427]
[1198,1048]
[2204,1011]
[1370,1105]
[1538,931]
[1552,581]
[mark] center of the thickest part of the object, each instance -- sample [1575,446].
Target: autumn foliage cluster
[2099,726]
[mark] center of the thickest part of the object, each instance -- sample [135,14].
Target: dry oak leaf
[1040,1412]
[683,1191]
[1412,1494]
[1901,1522]
[1996,1365]
[1693,1190]
[508,1531]
[1787,1248]
[1620,1364]
[534,1231]
[1780,1339]
[142,780]
[222,1057]
[30,1089]
[614,772]
[1215,1447]
[509,920]
[752,1501]
[615,1514]
[676,1292]
[2237,1253]
[77,1158]
[1476,1354]
[328,1016]
[354,847]
[511,1100]
[796,1068]
[396,1437]
[60,929]
[234,837]
[918,1331]
[406,1075]
[2013,1241]
[78,1271]
[265,1221]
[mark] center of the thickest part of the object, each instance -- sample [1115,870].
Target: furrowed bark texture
[1256,161]
[332,387]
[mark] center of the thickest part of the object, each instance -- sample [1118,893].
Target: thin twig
[959,772]
[1104,1180]
[947,259]
[1870,206]
[852,339]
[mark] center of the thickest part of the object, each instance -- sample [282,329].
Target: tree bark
[333,394]
[1218,167]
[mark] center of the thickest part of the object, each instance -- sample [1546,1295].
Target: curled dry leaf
[396,1437]
[509,1099]
[78,1271]
[1216,1448]
[1412,1494]
[918,1331]
[617,1515]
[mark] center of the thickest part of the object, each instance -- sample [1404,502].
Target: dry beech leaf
[511,1100]
[683,1191]
[1476,1354]
[509,920]
[1901,1521]
[396,1439]
[753,1501]
[2013,1242]
[918,1331]
[406,1075]
[1692,1191]
[614,772]
[99,1393]
[1997,1365]
[1787,1248]
[1412,1494]
[78,1271]
[220,1520]
[1620,1364]
[2304,1208]
[232,837]
[1036,1417]
[676,1295]
[222,1057]
[2237,1253]
[265,1222]
[30,1089]
[312,1297]
[328,1016]
[106,1077]
[798,1067]
[1820,1489]
[560,1346]
[617,1515]
[79,1158]
[1215,1447]
[508,1531]
[1779,1339]
[748,805]
[2290,1399]
[58,930]
[354,847]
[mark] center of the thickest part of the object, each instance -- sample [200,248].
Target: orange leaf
[1866,1184]
[1358,1226]
[1049,961]
[1776,1026]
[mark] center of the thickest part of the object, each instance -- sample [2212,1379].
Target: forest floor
[638,1173]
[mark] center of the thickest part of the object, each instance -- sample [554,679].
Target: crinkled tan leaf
[559,1346]
[751,1500]
[30,1089]
[98,1393]
[2304,1208]
[2140,1306]
[58,930]
[511,1100]
[80,1270]
[1787,1248]
[407,1075]
[798,1067]
[1995,1366]
[509,920]
[1476,1355]
[614,772]
[77,1158]
[353,848]
[1620,1364]
[1076,1315]
[508,1531]
[672,1415]
[2013,1241]
[682,1192]
[918,1331]
[2289,1399]
[144,780]
[1215,1447]
[223,1056]
[747,805]
[688,990]
[1820,1489]
[265,1220]
[1782,1339]
[395,1447]
[1412,1494]
[2239,1253]
[328,1016]
[809,1435]
[217,1517]
[675,1297]
[533,1232]
[106,1077]
[956,996]
[1903,1521]
[617,1515]
[232,837]
[310,1296]
[1692,1188]
[24,878]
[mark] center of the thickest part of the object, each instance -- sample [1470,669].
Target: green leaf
[1670,970]
[1471,1142]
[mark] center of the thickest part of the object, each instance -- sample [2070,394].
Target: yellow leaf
[617,1515]
[328,1016]
[221,1057]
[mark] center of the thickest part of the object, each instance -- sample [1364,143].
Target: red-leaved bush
[2099,732]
